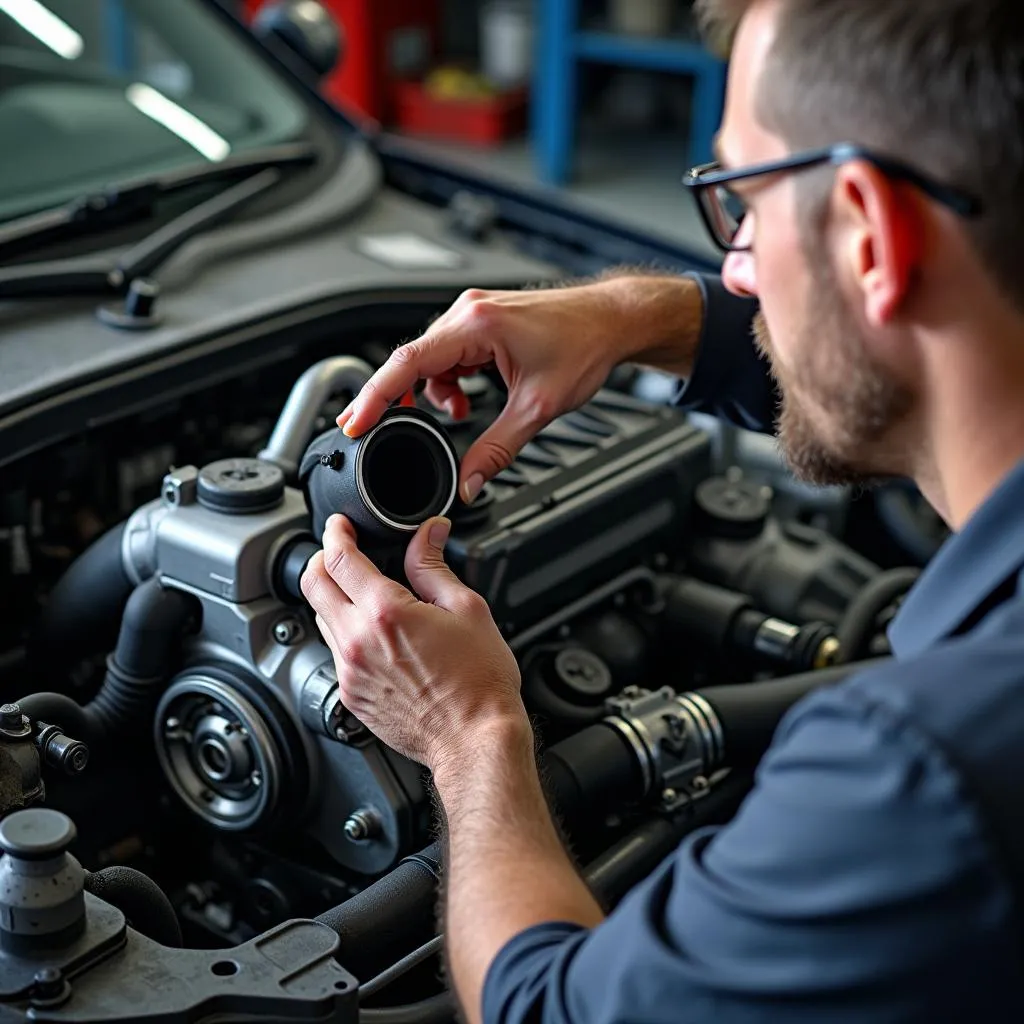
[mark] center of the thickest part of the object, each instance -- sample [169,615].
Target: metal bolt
[49,983]
[11,717]
[700,783]
[668,796]
[362,825]
[335,460]
[287,631]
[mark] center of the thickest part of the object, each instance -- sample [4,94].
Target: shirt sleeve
[730,379]
[855,884]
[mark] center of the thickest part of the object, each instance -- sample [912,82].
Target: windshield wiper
[136,198]
[126,275]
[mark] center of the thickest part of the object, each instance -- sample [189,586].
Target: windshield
[100,91]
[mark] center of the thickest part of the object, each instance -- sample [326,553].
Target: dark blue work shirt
[862,880]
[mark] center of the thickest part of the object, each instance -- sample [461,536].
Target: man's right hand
[554,349]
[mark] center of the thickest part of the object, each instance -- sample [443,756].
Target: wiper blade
[135,198]
[92,276]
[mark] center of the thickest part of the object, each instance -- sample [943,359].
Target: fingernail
[347,430]
[474,485]
[332,520]
[438,535]
[345,415]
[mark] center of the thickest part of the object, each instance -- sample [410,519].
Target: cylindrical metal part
[60,751]
[311,392]
[42,902]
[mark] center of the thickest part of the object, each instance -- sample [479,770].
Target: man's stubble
[857,403]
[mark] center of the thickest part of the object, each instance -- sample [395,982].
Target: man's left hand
[424,675]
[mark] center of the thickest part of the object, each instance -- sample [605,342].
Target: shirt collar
[970,566]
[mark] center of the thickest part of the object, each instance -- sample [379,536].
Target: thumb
[425,567]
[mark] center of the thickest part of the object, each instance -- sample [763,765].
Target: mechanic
[872,873]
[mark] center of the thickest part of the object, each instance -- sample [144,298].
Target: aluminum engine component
[66,954]
[250,733]
[677,739]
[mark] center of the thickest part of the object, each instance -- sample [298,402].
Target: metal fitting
[827,653]
[60,751]
[362,825]
[12,722]
[179,486]
[288,631]
[677,739]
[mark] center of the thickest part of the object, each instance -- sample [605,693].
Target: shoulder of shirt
[964,696]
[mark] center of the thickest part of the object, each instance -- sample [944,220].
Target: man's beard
[861,402]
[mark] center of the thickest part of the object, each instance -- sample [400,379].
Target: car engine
[192,822]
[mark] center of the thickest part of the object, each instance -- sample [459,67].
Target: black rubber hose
[140,899]
[590,772]
[634,857]
[610,877]
[397,912]
[60,709]
[857,627]
[83,610]
[146,655]
[750,713]
[435,1010]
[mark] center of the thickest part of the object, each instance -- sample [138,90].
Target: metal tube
[311,392]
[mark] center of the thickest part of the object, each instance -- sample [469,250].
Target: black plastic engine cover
[599,491]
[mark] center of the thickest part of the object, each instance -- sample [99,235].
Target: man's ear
[881,239]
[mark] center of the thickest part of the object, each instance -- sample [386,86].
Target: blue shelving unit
[563,46]
[120,42]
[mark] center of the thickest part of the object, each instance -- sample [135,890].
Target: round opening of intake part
[406,473]
[215,760]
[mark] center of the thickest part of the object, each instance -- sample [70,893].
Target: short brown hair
[938,84]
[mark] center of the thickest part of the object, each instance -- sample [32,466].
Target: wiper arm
[135,198]
[92,276]
[126,275]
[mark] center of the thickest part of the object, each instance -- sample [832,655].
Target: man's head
[857,270]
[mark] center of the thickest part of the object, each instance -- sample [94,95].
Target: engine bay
[172,711]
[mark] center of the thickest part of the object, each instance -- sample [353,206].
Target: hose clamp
[677,739]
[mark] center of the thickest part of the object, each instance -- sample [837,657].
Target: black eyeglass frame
[700,179]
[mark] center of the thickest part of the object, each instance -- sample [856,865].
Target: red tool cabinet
[386,42]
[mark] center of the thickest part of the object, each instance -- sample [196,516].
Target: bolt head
[669,795]
[287,631]
[12,720]
[355,829]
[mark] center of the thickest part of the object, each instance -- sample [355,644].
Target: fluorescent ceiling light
[42,23]
[177,119]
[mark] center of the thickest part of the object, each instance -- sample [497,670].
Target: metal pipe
[321,382]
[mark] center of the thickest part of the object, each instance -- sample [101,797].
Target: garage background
[611,100]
